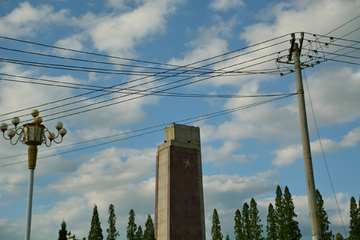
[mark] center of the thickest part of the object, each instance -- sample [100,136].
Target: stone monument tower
[179,199]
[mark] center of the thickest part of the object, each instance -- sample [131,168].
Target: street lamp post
[32,134]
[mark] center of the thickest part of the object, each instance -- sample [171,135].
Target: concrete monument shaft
[179,199]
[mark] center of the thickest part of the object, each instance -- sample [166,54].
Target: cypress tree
[139,234]
[216,228]
[238,225]
[339,237]
[292,230]
[131,228]
[246,222]
[112,232]
[271,224]
[63,231]
[95,232]
[323,217]
[354,232]
[227,237]
[149,233]
[255,226]
[279,214]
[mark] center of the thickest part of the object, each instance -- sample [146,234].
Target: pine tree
[227,237]
[149,233]
[339,237]
[238,225]
[271,224]
[354,232]
[131,228]
[95,229]
[139,234]
[323,217]
[246,222]
[279,214]
[63,231]
[292,230]
[112,232]
[216,228]
[255,226]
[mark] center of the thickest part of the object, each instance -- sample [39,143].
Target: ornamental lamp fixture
[32,134]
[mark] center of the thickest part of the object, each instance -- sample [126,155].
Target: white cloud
[300,16]
[27,20]
[208,43]
[119,34]
[73,42]
[225,5]
[289,154]
[223,154]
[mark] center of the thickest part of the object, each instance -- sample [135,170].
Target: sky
[139,66]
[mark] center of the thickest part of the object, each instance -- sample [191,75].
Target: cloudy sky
[141,65]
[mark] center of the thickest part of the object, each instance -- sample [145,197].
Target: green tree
[216,228]
[354,232]
[339,237]
[112,232]
[323,217]
[271,224]
[63,231]
[95,232]
[139,234]
[238,225]
[279,214]
[227,237]
[131,228]
[246,234]
[255,221]
[149,233]
[292,230]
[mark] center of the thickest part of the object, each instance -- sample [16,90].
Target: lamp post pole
[32,134]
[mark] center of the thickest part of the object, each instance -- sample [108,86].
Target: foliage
[95,232]
[246,222]
[255,226]
[323,217]
[238,225]
[139,233]
[227,237]
[354,232]
[339,237]
[112,232]
[63,231]
[216,228]
[279,214]
[292,230]
[271,223]
[131,228]
[149,233]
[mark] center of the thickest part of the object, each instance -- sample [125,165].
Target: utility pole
[309,173]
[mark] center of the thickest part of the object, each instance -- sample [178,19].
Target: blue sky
[245,153]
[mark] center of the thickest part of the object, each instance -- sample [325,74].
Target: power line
[148,94]
[184,121]
[323,154]
[220,74]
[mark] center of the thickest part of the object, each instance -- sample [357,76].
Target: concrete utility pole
[309,174]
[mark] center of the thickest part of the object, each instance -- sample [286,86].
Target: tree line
[281,220]
[96,233]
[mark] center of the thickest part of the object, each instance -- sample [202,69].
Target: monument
[179,198]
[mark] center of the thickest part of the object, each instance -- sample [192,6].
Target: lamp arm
[44,138]
[59,141]
[5,136]
[19,137]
